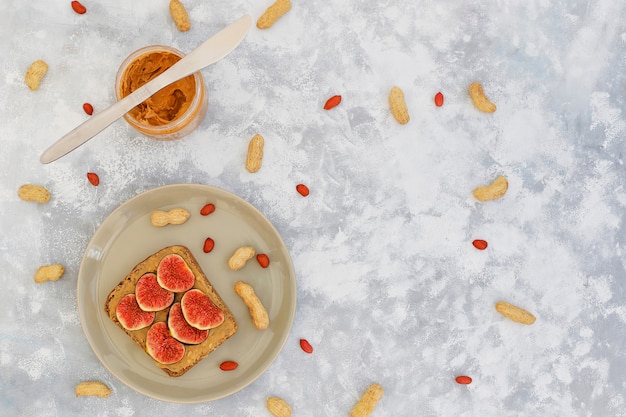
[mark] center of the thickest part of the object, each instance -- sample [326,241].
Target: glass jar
[172,112]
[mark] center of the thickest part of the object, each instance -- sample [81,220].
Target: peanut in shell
[49,273]
[481,102]
[180,16]
[92,388]
[397,105]
[493,191]
[368,401]
[273,13]
[515,313]
[278,407]
[35,74]
[254,158]
[37,193]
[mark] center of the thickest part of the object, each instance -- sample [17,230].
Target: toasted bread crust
[193,353]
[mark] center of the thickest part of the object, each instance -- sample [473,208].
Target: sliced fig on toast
[174,274]
[199,310]
[181,330]
[162,346]
[150,295]
[131,316]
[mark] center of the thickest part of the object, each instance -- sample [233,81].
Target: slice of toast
[193,353]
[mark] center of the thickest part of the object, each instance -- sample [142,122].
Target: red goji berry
[480,244]
[207,209]
[332,102]
[439,99]
[78,7]
[88,108]
[228,365]
[93,178]
[463,380]
[263,260]
[302,189]
[209,244]
[306,346]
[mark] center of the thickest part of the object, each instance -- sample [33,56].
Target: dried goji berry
[332,102]
[480,244]
[302,189]
[439,99]
[306,346]
[463,380]
[78,7]
[93,178]
[207,209]
[209,244]
[263,260]
[228,365]
[88,108]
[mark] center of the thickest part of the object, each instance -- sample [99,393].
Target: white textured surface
[390,288]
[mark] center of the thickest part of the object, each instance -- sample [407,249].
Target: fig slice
[174,274]
[181,330]
[199,310]
[162,346]
[131,316]
[150,295]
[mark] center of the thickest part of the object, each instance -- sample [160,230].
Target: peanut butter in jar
[172,112]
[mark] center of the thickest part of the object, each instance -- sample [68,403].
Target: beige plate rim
[126,237]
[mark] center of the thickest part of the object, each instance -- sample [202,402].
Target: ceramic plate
[126,237]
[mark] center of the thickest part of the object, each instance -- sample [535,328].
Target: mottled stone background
[390,288]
